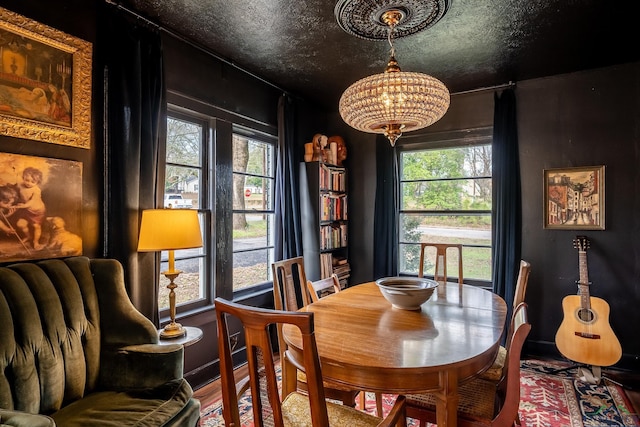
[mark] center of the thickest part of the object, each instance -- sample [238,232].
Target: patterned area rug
[547,400]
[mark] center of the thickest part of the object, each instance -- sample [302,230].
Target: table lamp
[169,230]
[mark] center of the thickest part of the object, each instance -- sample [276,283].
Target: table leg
[447,399]
[289,377]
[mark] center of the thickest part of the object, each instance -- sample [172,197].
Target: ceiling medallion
[364,18]
[394,101]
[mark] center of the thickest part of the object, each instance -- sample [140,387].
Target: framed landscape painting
[45,83]
[574,198]
[40,208]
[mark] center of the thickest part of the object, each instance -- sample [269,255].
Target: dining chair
[328,285]
[289,287]
[483,402]
[495,372]
[296,409]
[440,260]
[317,289]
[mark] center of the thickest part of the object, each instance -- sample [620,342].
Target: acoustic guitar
[585,335]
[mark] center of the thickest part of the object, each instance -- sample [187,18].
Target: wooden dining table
[365,343]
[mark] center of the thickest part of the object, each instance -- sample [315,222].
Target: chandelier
[394,101]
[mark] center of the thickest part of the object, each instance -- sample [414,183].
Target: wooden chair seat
[296,413]
[494,373]
[477,400]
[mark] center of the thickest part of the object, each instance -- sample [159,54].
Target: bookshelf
[325,221]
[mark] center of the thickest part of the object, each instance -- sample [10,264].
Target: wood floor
[211,392]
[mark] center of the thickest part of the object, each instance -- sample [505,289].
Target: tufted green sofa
[74,351]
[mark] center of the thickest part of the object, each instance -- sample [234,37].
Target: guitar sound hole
[585,315]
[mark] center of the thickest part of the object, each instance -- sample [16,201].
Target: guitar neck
[583,286]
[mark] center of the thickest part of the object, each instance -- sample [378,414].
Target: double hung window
[445,197]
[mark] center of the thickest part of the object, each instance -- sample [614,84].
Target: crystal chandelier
[395,101]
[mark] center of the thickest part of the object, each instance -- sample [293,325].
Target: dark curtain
[135,112]
[288,242]
[507,208]
[385,224]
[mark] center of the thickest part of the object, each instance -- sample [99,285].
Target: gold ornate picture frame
[45,83]
[574,198]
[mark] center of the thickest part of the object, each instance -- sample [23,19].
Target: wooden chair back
[323,286]
[266,402]
[289,281]
[509,391]
[521,283]
[440,269]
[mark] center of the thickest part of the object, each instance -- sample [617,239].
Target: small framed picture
[45,83]
[574,198]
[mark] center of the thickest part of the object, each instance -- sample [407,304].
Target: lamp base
[173,330]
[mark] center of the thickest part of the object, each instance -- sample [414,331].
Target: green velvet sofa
[74,351]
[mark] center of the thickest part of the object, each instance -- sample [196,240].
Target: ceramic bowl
[406,293]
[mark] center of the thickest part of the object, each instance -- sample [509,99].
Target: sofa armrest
[24,419]
[137,367]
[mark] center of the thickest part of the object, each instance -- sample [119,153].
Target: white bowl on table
[406,293]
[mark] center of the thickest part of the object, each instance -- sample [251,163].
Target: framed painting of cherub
[45,82]
[40,208]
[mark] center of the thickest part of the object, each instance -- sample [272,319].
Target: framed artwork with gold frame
[574,198]
[45,83]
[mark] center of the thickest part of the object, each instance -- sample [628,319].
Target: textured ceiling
[298,45]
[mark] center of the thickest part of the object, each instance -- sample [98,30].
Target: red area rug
[547,400]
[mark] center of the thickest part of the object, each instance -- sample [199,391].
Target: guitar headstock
[581,243]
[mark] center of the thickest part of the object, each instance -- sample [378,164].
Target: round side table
[192,336]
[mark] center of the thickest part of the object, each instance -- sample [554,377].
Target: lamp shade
[167,229]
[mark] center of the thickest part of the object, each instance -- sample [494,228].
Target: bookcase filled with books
[325,221]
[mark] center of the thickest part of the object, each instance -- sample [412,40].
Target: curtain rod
[482,89]
[193,44]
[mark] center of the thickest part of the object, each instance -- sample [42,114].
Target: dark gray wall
[581,119]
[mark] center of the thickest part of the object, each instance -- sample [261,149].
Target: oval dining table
[365,343]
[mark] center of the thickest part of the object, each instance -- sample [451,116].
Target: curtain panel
[507,206]
[134,112]
[288,243]
[387,205]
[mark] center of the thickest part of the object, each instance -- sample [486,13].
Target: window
[223,165]
[186,145]
[253,208]
[445,196]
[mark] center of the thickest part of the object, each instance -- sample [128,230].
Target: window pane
[184,142]
[465,229]
[454,194]
[251,268]
[252,157]
[459,162]
[253,189]
[182,187]
[182,190]
[256,195]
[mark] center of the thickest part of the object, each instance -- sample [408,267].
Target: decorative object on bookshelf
[324,209]
[341,149]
